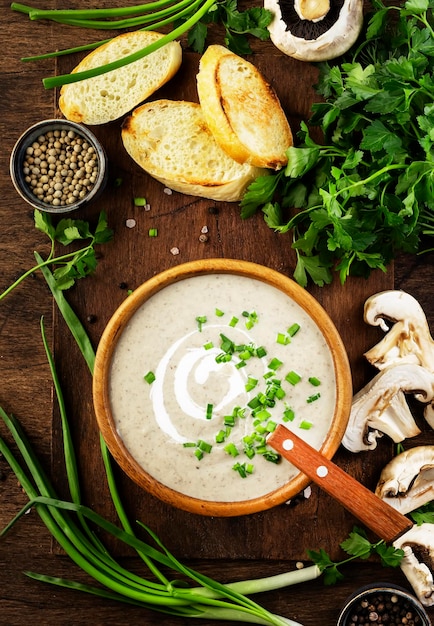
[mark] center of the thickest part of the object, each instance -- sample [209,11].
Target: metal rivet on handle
[288,444]
[322,471]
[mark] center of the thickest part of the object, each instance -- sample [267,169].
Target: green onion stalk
[73,524]
[184,14]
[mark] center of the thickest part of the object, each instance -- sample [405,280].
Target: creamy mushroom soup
[204,369]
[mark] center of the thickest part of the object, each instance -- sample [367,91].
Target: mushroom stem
[313,10]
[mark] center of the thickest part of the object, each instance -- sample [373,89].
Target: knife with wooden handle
[387,523]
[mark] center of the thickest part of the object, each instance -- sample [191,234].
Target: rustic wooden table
[227,549]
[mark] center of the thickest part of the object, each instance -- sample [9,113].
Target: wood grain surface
[227,549]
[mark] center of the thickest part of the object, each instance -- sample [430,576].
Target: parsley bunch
[363,194]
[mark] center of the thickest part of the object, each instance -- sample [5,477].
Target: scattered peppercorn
[60,167]
[383,608]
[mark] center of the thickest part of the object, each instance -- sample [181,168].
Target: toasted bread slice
[104,98]
[171,141]
[242,110]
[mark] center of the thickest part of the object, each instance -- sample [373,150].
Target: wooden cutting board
[133,257]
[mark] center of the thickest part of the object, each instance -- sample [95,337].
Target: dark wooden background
[227,549]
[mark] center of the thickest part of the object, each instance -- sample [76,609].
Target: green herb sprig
[74,264]
[193,18]
[356,546]
[352,202]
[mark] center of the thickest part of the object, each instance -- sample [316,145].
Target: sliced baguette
[171,141]
[104,98]
[242,110]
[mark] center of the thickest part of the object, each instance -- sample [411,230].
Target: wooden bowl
[114,390]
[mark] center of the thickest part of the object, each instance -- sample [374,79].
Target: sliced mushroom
[315,30]
[418,542]
[407,481]
[408,340]
[380,408]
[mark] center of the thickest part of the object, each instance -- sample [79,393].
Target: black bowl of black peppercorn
[383,603]
[58,166]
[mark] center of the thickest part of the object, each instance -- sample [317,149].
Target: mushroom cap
[407,481]
[408,340]
[319,39]
[380,408]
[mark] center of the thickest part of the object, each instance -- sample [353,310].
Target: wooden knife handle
[378,516]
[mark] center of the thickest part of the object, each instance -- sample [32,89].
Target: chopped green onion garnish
[314,381]
[249,451]
[189,444]
[149,377]
[229,420]
[219,313]
[198,454]
[261,352]
[221,436]
[288,415]
[252,318]
[262,415]
[234,321]
[208,345]
[204,446]
[153,232]
[283,339]
[226,344]
[139,201]
[231,449]
[274,364]
[223,357]
[313,398]
[260,429]
[245,354]
[271,456]
[271,426]
[240,364]
[280,393]
[305,425]
[251,383]
[293,329]
[200,319]
[293,378]
[243,469]
[209,408]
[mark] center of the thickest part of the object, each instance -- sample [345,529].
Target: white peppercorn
[60,167]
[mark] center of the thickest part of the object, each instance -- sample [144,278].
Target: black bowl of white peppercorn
[383,603]
[58,166]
